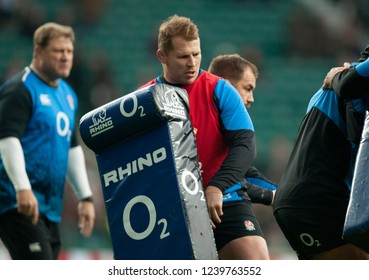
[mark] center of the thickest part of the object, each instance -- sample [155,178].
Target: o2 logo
[63,125]
[152,219]
[308,240]
[186,178]
[129,112]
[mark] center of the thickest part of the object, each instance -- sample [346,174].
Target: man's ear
[36,50]
[160,55]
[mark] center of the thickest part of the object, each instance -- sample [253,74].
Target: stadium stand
[126,32]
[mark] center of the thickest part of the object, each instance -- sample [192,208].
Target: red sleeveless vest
[205,117]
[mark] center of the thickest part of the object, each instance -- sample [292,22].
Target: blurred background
[294,43]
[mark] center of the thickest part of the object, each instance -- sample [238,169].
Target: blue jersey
[321,164]
[45,138]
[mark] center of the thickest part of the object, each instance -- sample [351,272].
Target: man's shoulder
[209,76]
[153,81]
[14,81]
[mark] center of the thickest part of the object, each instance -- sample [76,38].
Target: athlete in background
[38,148]
[242,74]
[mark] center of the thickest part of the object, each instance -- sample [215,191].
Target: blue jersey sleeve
[233,112]
[363,68]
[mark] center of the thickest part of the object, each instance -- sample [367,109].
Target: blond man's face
[181,65]
[56,59]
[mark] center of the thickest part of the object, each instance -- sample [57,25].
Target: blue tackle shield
[356,227]
[148,165]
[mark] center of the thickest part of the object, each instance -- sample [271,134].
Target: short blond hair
[51,30]
[175,26]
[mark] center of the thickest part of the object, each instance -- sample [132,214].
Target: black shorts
[238,220]
[311,231]
[26,241]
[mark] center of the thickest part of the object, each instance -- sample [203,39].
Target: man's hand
[327,83]
[214,200]
[27,204]
[86,217]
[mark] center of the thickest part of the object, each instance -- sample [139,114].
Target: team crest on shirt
[70,101]
[249,225]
